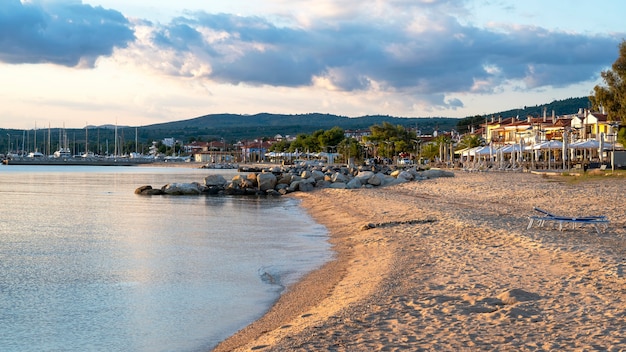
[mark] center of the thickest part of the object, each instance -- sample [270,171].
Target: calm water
[86,265]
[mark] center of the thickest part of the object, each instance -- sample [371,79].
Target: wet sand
[448,264]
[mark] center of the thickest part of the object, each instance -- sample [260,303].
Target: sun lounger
[580,220]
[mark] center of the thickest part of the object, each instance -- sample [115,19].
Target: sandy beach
[448,264]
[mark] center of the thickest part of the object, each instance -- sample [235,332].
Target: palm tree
[470,141]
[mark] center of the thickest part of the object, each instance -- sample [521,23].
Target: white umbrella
[549,145]
[552,144]
[486,150]
[510,148]
[590,144]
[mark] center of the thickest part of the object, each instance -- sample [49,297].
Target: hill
[560,107]
[233,127]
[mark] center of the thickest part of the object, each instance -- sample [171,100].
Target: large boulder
[305,186]
[338,185]
[215,180]
[354,183]
[339,177]
[148,191]
[377,179]
[363,176]
[192,188]
[406,175]
[284,179]
[317,175]
[266,180]
[252,180]
[434,173]
[243,181]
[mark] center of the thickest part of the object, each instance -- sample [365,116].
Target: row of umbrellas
[547,145]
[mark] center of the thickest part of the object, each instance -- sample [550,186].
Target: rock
[183,188]
[215,180]
[322,184]
[305,187]
[376,179]
[405,175]
[251,178]
[243,181]
[434,173]
[338,185]
[395,181]
[284,180]
[272,192]
[266,181]
[339,178]
[295,185]
[148,191]
[363,176]
[317,175]
[140,190]
[354,183]
[306,174]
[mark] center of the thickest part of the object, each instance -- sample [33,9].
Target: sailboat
[64,151]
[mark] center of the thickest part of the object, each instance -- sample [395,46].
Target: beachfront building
[592,125]
[254,151]
[580,139]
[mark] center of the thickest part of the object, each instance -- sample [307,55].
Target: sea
[87,265]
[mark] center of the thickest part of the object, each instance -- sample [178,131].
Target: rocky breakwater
[280,180]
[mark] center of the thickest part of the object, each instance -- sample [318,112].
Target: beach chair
[598,222]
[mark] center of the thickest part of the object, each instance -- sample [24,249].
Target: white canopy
[486,150]
[553,144]
[510,148]
[590,144]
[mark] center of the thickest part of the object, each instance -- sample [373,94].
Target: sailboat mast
[86,139]
[115,148]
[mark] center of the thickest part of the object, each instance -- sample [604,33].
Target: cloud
[66,33]
[426,55]
[414,48]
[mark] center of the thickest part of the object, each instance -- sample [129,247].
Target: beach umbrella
[482,151]
[510,148]
[549,145]
[590,144]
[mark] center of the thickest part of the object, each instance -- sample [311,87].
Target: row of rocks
[279,180]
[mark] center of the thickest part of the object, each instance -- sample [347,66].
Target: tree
[470,141]
[612,97]
[391,139]
[331,137]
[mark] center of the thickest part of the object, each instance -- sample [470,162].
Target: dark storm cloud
[353,54]
[63,33]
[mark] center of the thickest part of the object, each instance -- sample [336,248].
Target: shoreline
[462,273]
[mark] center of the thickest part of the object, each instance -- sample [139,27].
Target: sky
[75,63]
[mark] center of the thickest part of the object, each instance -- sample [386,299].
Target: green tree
[280,146]
[350,148]
[470,141]
[430,151]
[612,97]
[465,125]
[331,138]
[391,139]
[304,143]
